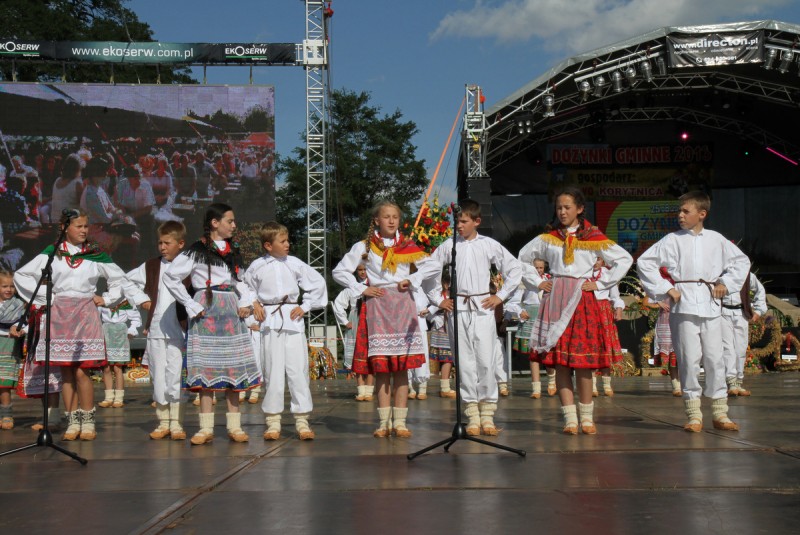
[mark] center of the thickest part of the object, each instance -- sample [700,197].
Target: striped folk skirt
[76,334]
[118,348]
[9,361]
[388,339]
[219,351]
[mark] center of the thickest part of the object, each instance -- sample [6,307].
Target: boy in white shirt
[476,321]
[705,267]
[736,317]
[276,279]
[165,336]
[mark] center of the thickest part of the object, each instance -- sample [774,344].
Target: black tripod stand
[460,429]
[45,438]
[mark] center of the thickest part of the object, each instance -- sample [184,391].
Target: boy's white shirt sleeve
[136,321]
[509,267]
[736,266]
[179,269]
[340,305]
[138,278]
[310,281]
[759,295]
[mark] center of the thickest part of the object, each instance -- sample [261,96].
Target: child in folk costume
[612,306]
[120,323]
[419,376]
[477,333]
[501,331]
[389,341]
[219,353]
[165,334]
[738,311]
[663,353]
[529,302]
[77,343]
[346,308]
[567,333]
[705,267]
[440,341]
[275,280]
[11,310]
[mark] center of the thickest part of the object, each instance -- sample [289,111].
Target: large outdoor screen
[170,152]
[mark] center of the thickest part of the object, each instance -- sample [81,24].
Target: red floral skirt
[589,341]
[364,364]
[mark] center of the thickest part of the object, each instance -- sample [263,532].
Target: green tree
[79,20]
[374,159]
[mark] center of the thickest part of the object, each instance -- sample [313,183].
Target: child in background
[346,307]
[121,322]
[500,312]
[420,376]
[275,280]
[440,342]
[663,353]
[612,306]
[705,267]
[738,311]
[568,331]
[11,310]
[529,302]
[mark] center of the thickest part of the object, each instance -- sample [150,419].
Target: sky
[416,56]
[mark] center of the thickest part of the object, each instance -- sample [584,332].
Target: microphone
[456,208]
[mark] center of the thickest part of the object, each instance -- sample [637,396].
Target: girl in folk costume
[120,323]
[77,343]
[389,341]
[11,310]
[663,352]
[567,333]
[219,351]
[440,341]
[346,308]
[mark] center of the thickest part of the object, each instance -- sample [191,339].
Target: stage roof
[741,103]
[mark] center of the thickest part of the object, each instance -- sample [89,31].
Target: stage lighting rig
[647,72]
[772,53]
[585,88]
[524,123]
[630,75]
[599,83]
[616,81]
[786,59]
[548,101]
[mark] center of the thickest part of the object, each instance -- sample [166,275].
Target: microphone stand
[45,438]
[460,428]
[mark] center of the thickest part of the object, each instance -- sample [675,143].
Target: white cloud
[580,25]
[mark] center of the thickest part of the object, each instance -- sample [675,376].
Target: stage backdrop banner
[715,49]
[636,225]
[150,53]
